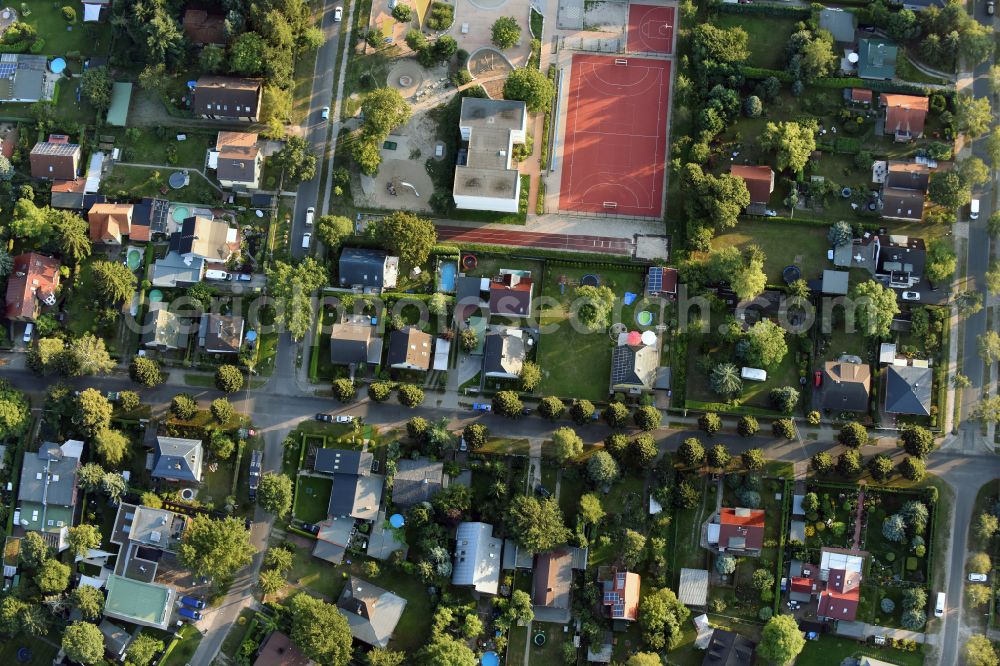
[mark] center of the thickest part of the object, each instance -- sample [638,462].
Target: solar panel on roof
[7,70]
[655,280]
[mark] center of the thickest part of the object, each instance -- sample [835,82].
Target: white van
[753,374]
[974,209]
[310,213]
[305,241]
[939,606]
[28,330]
[216,275]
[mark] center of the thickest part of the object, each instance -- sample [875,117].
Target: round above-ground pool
[155,296]
[490,659]
[539,639]
[133,258]
[24,655]
[396,520]
[57,65]
[180,213]
[644,317]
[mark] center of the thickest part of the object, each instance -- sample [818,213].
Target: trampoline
[24,655]
[251,336]
[790,274]
[57,65]
[644,317]
[396,520]
[590,280]
[469,262]
[539,640]
[490,659]
[155,296]
[180,213]
[133,259]
[179,179]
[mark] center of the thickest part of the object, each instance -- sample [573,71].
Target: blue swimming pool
[446,276]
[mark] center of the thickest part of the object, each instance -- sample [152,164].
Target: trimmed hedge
[837,81]
[763,9]
[763,73]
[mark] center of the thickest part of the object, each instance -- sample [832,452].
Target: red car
[818,378]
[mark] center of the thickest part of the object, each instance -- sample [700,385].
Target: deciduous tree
[781,641]
[319,630]
[83,643]
[215,548]
[530,86]
[274,494]
[537,523]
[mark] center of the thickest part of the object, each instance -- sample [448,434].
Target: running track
[520,238]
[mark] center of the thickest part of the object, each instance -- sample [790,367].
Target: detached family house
[371,612]
[553,583]
[619,593]
[409,349]
[55,159]
[178,460]
[417,481]
[905,116]
[354,342]
[356,493]
[164,330]
[908,384]
[634,362]
[477,558]
[142,535]
[740,532]
[227,98]
[32,283]
[237,160]
[510,294]
[46,496]
[504,354]
[904,190]
[846,386]
[367,270]
[877,59]
[760,183]
[220,334]
[212,240]
[109,222]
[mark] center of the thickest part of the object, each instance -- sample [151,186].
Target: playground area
[650,29]
[490,68]
[474,19]
[402,181]
[615,137]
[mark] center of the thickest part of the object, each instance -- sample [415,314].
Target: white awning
[91,12]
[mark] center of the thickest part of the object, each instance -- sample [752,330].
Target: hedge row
[786,511]
[801,13]
[836,81]
[844,145]
[540,253]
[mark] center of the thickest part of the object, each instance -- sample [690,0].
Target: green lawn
[236,632]
[185,648]
[808,251]
[312,498]
[686,654]
[831,650]
[43,653]
[83,38]
[139,181]
[145,146]
[576,363]
[217,485]
[511,446]
[768,36]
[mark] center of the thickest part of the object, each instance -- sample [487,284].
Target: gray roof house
[370,270]
[177,459]
[220,334]
[356,491]
[838,22]
[164,330]
[728,648]
[409,349]
[116,639]
[176,270]
[908,389]
[846,386]
[354,342]
[477,557]
[26,79]
[46,496]
[333,538]
[633,365]
[504,354]
[416,481]
[371,612]
[485,177]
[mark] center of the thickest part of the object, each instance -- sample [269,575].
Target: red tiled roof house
[33,282]
[620,593]
[109,222]
[905,116]
[741,531]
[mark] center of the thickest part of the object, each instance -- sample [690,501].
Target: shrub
[228,379]
[753,459]
[725,564]
[344,390]
[710,422]
[887,605]
[747,426]
[410,395]
[380,391]
[69,14]
[648,418]
[765,613]
[784,428]
[890,557]
[911,563]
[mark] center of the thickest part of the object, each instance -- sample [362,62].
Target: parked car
[345,419]
[247,524]
[818,378]
[306,239]
[542,491]
[910,295]
[977,578]
[28,330]
[338,14]
[193,602]
[463,445]
[311,528]
[525,411]
[990,7]
[325,113]
[482,407]
[244,277]
[325,418]
[112,396]
[189,613]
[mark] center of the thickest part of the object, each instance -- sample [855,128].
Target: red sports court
[650,29]
[616,136]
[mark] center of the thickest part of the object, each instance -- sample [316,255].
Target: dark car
[542,491]
[193,602]
[311,528]
[325,418]
[526,411]
[247,523]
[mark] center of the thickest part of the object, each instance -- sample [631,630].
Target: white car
[977,578]
[338,14]
[325,113]
[910,295]
[345,419]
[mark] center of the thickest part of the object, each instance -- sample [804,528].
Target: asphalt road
[953,632]
[317,129]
